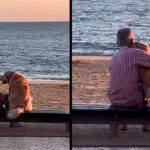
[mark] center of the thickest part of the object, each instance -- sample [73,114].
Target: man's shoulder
[116,54]
[135,49]
[115,57]
[122,53]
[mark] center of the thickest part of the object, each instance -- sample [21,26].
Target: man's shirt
[125,88]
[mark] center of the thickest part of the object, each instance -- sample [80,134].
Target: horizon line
[31,21]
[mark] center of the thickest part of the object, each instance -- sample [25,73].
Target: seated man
[125,82]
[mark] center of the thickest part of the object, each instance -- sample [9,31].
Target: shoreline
[91,54]
[36,81]
[92,57]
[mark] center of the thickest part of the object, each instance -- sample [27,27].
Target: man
[125,83]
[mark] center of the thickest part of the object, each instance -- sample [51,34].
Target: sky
[34,10]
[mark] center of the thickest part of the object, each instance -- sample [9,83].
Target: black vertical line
[70,74]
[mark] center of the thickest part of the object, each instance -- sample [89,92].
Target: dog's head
[142,46]
[6,77]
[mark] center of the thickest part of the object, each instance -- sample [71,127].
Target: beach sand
[90,79]
[47,94]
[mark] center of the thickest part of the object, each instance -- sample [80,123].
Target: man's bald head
[125,37]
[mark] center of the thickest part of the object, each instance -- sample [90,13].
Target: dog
[144,71]
[19,97]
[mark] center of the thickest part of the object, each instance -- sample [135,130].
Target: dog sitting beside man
[144,71]
[18,100]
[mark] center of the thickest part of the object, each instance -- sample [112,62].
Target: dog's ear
[3,80]
[8,75]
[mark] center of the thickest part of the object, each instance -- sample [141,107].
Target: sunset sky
[34,10]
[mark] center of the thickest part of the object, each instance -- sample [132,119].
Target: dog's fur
[144,71]
[19,94]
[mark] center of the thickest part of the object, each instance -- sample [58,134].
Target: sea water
[40,50]
[96,22]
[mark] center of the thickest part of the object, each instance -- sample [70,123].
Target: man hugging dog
[129,72]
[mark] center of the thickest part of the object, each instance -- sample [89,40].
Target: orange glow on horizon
[34,10]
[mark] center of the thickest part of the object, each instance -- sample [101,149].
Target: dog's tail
[14,113]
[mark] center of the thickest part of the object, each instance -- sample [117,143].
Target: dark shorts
[142,105]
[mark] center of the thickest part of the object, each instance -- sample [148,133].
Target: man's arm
[142,59]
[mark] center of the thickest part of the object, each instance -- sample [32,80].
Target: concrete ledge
[34,130]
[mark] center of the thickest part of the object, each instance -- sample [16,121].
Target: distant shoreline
[34,21]
[35,81]
[76,54]
[90,57]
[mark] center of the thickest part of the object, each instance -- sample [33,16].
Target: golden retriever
[19,98]
[144,71]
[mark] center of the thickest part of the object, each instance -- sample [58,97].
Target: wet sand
[47,94]
[90,75]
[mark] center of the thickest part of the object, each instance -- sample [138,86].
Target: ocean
[96,22]
[40,50]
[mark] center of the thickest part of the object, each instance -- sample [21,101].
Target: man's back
[125,86]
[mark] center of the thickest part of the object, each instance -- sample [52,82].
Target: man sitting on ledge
[125,83]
